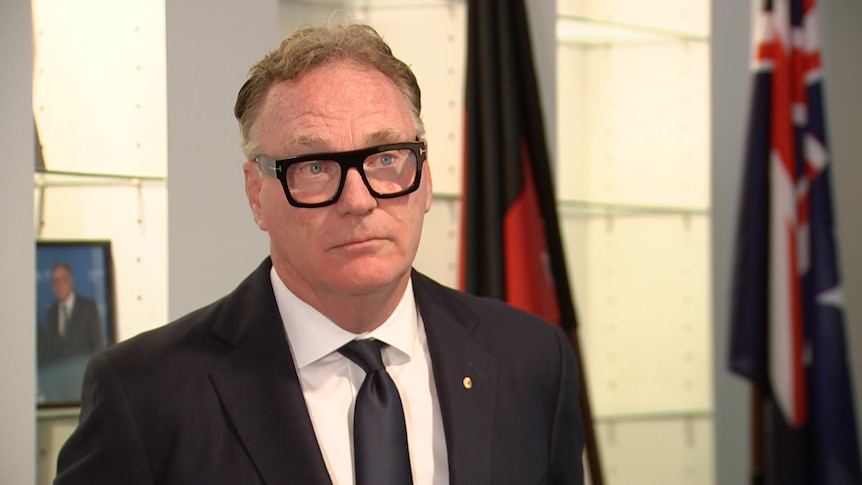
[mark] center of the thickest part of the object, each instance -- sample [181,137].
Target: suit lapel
[53,323]
[259,388]
[466,379]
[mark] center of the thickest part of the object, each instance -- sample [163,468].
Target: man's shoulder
[53,307]
[84,302]
[484,310]
[182,335]
[200,333]
[79,298]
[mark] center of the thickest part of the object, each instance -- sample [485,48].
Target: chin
[363,278]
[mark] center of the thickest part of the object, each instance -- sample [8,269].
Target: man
[72,327]
[70,333]
[261,387]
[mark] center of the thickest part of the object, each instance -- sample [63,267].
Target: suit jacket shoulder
[212,397]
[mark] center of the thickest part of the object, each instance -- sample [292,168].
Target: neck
[356,312]
[360,314]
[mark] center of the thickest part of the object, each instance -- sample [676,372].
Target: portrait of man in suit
[70,333]
[335,361]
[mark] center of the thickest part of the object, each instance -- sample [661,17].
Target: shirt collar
[313,336]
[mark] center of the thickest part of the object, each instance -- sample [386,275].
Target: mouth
[359,243]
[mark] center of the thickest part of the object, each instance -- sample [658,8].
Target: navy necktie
[379,433]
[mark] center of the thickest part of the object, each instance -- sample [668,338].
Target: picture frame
[68,334]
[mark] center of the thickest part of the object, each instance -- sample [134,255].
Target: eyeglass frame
[346,160]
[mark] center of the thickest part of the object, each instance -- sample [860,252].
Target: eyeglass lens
[387,172]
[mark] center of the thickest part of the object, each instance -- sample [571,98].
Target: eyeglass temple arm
[267,166]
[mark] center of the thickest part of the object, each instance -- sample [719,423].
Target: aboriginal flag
[511,246]
[787,322]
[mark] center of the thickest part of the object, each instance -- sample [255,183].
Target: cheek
[294,231]
[414,220]
[272,205]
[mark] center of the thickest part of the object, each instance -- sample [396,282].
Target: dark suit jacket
[214,398]
[83,334]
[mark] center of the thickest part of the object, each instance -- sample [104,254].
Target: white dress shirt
[330,382]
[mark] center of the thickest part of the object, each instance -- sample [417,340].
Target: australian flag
[787,327]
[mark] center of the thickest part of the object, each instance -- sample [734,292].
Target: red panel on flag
[529,284]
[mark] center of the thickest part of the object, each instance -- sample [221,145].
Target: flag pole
[756,436]
[592,450]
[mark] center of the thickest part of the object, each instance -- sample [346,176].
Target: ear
[253,185]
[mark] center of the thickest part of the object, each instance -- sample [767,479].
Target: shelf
[57,178]
[659,415]
[45,414]
[591,32]
[374,4]
[599,208]
[583,207]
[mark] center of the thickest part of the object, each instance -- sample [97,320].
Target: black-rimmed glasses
[316,180]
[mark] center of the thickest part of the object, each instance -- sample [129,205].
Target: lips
[358,236]
[358,242]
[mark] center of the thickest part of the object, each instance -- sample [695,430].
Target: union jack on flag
[787,327]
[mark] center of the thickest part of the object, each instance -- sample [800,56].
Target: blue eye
[315,168]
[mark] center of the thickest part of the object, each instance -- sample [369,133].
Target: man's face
[359,244]
[61,282]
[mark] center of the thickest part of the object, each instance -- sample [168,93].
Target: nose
[355,197]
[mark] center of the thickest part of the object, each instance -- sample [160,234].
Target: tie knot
[364,353]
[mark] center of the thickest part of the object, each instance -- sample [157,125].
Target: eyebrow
[386,135]
[379,137]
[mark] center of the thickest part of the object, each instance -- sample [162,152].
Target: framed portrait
[75,315]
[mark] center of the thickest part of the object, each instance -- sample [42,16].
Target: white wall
[17,275]
[731,83]
[213,242]
[842,51]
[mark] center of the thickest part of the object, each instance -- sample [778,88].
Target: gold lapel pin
[468,382]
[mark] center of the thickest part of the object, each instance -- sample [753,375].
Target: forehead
[337,105]
[60,271]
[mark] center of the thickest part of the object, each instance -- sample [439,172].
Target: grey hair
[314,46]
